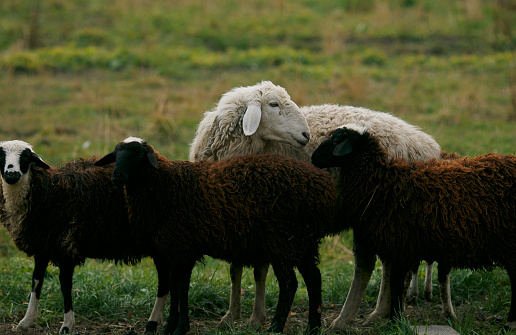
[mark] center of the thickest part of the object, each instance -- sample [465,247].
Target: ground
[420,313]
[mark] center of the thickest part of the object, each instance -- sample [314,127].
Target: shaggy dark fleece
[248,210]
[460,212]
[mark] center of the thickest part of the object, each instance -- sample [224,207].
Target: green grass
[76,77]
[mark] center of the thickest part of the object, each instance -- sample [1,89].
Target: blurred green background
[76,77]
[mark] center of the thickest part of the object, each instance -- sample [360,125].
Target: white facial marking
[13,150]
[133,139]
[357,128]
[15,195]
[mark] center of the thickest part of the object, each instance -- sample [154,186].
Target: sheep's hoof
[226,322]
[23,325]
[373,317]
[64,330]
[339,324]
[151,327]
[451,316]
[255,322]
[510,325]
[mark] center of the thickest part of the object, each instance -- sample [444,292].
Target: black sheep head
[340,147]
[15,160]
[132,157]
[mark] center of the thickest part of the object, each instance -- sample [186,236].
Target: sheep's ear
[251,120]
[152,159]
[343,148]
[38,161]
[108,159]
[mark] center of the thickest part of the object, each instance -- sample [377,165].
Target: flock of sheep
[254,194]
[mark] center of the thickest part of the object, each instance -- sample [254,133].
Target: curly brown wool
[248,210]
[460,212]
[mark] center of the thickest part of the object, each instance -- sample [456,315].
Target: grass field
[76,77]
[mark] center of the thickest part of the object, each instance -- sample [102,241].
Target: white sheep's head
[264,111]
[341,146]
[15,160]
[132,158]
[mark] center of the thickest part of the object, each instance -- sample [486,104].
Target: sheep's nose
[118,178]
[12,177]
[306,135]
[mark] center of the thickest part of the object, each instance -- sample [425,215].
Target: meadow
[76,77]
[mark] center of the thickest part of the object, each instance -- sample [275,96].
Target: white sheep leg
[428,281]
[158,310]
[31,314]
[361,275]
[383,304]
[260,277]
[413,290]
[235,303]
[68,323]
[444,290]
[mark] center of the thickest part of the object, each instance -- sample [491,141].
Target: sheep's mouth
[301,142]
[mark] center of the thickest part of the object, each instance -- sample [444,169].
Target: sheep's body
[459,212]
[248,210]
[64,216]
[397,136]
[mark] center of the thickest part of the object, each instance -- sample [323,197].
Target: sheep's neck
[16,199]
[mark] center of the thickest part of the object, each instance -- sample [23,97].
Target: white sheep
[247,120]
[400,138]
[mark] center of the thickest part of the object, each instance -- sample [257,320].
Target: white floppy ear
[251,120]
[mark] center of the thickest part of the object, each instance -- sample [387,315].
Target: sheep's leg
[156,316]
[235,304]
[172,320]
[40,267]
[364,266]
[260,278]
[413,291]
[383,303]
[65,280]
[511,318]
[428,281]
[397,283]
[287,290]
[183,275]
[444,290]
[312,278]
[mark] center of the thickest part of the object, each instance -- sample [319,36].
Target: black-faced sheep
[459,212]
[221,135]
[64,216]
[248,210]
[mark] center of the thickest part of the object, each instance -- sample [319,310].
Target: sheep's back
[459,211]
[274,204]
[401,139]
[76,212]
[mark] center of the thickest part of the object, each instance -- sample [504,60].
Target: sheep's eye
[273,104]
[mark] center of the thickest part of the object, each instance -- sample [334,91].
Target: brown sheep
[248,210]
[460,212]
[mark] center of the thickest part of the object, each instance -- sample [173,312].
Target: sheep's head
[132,157]
[340,147]
[15,160]
[265,111]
